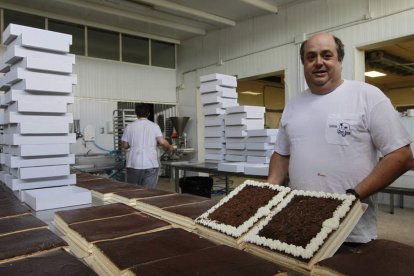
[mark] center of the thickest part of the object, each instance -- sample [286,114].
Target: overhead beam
[135,16]
[168,5]
[262,5]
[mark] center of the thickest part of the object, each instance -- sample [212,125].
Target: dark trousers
[145,177]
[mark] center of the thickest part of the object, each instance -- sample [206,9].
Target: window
[103,44]
[77,32]
[162,54]
[135,49]
[24,19]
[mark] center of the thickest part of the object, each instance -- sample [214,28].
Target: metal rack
[121,118]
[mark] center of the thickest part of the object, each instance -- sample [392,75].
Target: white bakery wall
[267,44]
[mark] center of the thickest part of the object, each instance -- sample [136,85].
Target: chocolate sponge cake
[217,260]
[378,257]
[58,262]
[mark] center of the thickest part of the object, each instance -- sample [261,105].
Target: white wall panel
[105,79]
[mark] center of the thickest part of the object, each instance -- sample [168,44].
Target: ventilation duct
[389,63]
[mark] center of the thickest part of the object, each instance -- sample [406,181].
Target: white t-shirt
[333,142]
[141,136]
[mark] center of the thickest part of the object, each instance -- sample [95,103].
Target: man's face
[322,68]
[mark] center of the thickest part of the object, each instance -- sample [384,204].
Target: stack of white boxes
[218,92]
[238,121]
[38,84]
[259,148]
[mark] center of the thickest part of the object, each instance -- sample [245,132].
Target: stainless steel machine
[180,140]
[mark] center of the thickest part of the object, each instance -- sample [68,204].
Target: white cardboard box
[248,126]
[225,92]
[235,133]
[259,152]
[16,184]
[260,139]
[231,167]
[16,53]
[259,146]
[211,156]
[236,146]
[18,139]
[258,159]
[36,38]
[246,108]
[38,106]
[37,150]
[40,172]
[227,82]
[10,117]
[47,65]
[235,158]
[19,95]
[19,162]
[217,76]
[57,197]
[220,140]
[249,115]
[257,169]
[215,151]
[214,145]
[244,121]
[33,128]
[236,151]
[213,110]
[263,132]
[208,87]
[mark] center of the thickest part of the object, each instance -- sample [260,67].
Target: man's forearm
[392,166]
[278,168]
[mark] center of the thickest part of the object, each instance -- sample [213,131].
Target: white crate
[58,197]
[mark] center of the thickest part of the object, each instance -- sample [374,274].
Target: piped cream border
[261,212]
[328,225]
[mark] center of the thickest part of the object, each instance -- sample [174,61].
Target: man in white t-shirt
[331,133]
[140,138]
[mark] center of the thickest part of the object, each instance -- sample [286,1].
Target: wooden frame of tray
[179,221]
[219,237]
[329,247]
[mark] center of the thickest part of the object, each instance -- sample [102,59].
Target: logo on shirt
[343,129]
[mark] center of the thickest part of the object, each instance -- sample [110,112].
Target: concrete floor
[397,227]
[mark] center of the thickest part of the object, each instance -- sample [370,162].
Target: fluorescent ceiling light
[374,74]
[251,93]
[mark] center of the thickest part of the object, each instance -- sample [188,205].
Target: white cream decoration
[261,212]
[313,246]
